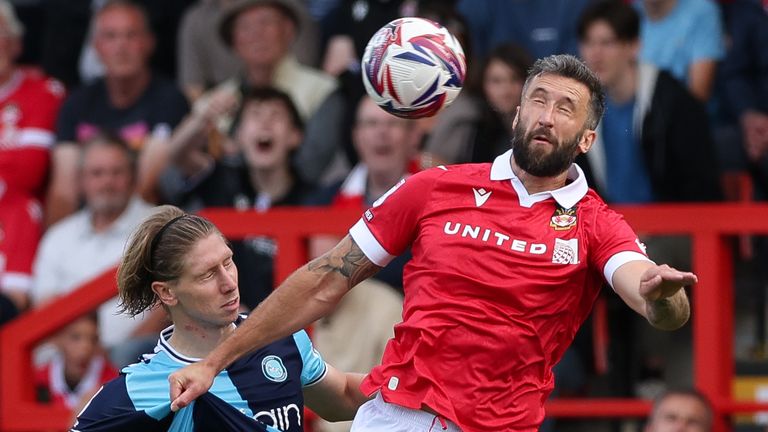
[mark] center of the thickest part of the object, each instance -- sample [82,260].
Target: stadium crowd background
[108,108]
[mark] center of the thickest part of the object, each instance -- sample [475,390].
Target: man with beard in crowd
[508,258]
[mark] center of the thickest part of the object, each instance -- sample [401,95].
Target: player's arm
[310,293]
[337,396]
[655,292]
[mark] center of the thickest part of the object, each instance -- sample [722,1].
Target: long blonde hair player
[183,263]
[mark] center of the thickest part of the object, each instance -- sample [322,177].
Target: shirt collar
[567,196]
[163,344]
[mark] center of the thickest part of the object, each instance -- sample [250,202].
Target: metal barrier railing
[712,316]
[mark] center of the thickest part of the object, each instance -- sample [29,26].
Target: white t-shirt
[71,253]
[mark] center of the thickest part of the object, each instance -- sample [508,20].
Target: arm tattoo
[351,263]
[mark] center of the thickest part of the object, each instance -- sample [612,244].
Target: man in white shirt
[89,242]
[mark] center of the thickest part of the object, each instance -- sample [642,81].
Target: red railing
[712,316]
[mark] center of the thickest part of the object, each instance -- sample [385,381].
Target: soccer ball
[413,67]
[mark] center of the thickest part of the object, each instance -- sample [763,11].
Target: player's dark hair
[568,66]
[622,18]
[687,392]
[266,94]
[512,55]
[156,252]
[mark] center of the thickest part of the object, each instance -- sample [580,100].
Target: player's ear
[587,139]
[165,293]
[517,116]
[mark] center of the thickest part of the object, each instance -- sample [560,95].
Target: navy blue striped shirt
[260,392]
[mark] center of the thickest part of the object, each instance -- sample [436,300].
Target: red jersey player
[29,103]
[508,259]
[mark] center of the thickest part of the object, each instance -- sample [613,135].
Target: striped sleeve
[314,367]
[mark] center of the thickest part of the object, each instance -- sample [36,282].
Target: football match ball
[413,67]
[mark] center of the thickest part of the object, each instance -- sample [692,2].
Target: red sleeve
[44,105]
[20,228]
[24,165]
[24,169]
[614,242]
[390,226]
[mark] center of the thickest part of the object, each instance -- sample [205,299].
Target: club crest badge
[273,368]
[563,219]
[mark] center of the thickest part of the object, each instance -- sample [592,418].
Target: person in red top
[29,103]
[78,369]
[508,259]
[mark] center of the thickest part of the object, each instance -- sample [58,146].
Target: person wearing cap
[261,33]
[203,60]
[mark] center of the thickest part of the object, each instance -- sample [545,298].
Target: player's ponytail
[155,252]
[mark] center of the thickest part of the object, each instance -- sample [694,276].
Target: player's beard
[539,162]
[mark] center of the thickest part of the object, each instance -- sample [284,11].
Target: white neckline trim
[163,344]
[567,196]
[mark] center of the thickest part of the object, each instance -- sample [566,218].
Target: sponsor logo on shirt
[273,368]
[563,219]
[481,196]
[368,215]
[487,235]
[566,251]
[279,417]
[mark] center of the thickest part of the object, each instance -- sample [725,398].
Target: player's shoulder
[457,172]
[592,201]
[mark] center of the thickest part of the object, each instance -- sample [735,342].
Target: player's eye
[228,263]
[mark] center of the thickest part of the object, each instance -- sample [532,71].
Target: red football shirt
[29,104]
[499,283]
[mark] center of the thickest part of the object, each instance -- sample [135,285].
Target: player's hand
[663,281]
[188,383]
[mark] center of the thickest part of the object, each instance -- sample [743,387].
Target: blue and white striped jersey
[260,392]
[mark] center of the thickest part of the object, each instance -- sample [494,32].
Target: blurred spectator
[91,241]
[130,101]
[684,37]
[261,32]
[79,368]
[386,157]
[743,139]
[654,142]
[259,175]
[203,58]
[680,411]
[65,37]
[29,103]
[485,131]
[542,27]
